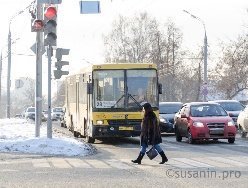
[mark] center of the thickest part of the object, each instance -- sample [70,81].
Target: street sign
[33,48]
[89,7]
[49,1]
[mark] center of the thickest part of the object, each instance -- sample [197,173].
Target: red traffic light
[50,13]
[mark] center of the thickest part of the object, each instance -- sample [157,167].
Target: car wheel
[75,134]
[178,136]
[231,140]
[89,139]
[190,139]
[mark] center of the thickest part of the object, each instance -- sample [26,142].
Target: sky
[82,34]
[18,135]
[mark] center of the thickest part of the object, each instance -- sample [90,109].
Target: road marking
[97,164]
[241,159]
[193,163]
[8,170]
[212,162]
[59,163]
[40,163]
[78,163]
[14,161]
[229,161]
[118,164]
[178,164]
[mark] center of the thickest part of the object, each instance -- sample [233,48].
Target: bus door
[89,101]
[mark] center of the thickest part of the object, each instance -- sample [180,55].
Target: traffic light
[50,26]
[59,64]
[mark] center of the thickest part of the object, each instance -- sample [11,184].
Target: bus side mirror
[160,88]
[89,88]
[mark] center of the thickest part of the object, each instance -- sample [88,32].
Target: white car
[242,122]
[30,113]
[57,113]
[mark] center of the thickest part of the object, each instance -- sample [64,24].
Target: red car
[203,121]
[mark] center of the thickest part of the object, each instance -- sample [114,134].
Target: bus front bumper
[116,131]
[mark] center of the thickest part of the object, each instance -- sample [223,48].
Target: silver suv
[30,113]
[57,113]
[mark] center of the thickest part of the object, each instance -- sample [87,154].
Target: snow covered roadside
[18,135]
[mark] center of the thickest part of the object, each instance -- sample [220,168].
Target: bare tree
[231,72]
[131,39]
[59,98]
[141,39]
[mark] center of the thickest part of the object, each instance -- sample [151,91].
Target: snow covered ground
[18,135]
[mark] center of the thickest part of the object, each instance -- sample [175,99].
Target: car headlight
[99,122]
[198,124]
[163,120]
[230,123]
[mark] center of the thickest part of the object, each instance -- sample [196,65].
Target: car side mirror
[160,88]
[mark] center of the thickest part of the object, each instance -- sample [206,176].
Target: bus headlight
[99,122]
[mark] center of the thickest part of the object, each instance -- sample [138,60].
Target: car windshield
[232,106]
[57,110]
[169,108]
[204,110]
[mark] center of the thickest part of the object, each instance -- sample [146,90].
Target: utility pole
[9,62]
[1,60]
[38,85]
[205,78]
[8,75]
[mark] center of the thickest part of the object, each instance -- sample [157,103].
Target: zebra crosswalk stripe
[193,162]
[40,163]
[241,159]
[78,163]
[97,163]
[229,161]
[59,163]
[213,163]
[118,164]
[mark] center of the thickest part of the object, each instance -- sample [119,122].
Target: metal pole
[49,121]
[205,79]
[38,85]
[1,58]
[205,66]
[8,75]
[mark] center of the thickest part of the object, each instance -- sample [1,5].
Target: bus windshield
[124,88]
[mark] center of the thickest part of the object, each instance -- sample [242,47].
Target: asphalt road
[205,164]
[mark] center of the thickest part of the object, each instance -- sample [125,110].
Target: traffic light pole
[38,85]
[49,121]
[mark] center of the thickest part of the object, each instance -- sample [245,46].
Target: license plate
[125,128]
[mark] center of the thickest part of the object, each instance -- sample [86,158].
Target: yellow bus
[106,100]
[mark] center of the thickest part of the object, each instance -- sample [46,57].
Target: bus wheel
[89,139]
[76,134]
